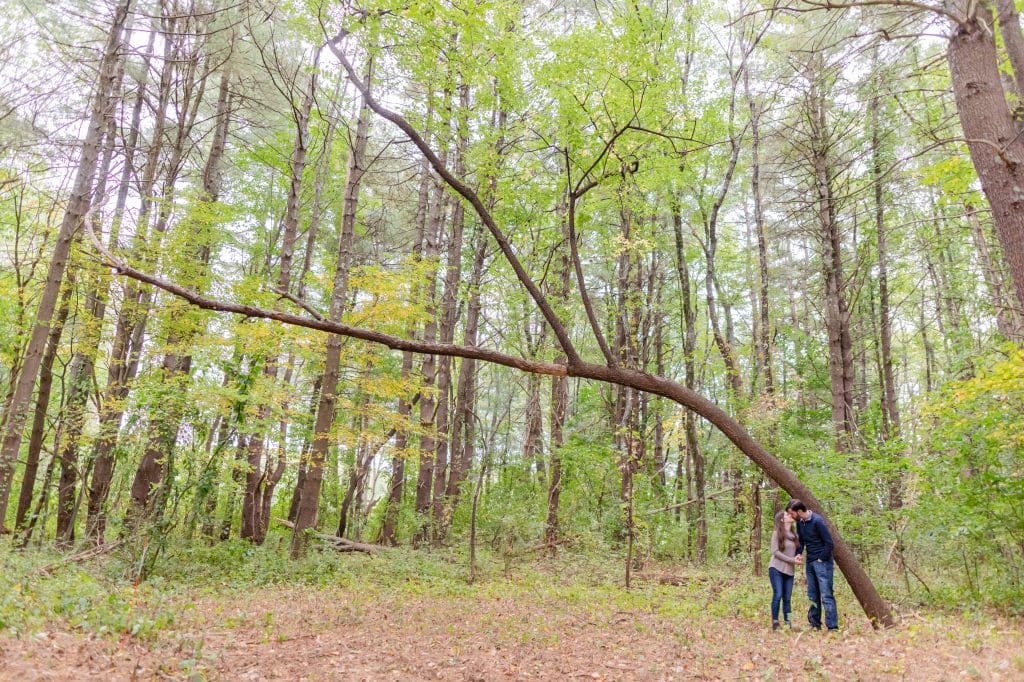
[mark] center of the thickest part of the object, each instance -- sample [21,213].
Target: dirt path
[296,634]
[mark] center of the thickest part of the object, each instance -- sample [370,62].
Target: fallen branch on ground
[545,545]
[339,544]
[99,550]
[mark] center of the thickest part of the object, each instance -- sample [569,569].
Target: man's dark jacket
[815,538]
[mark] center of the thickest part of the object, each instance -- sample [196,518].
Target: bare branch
[468,194]
[393,342]
[909,4]
[300,303]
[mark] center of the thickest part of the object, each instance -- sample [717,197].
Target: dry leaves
[295,634]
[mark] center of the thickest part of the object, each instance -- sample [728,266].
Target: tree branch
[909,4]
[875,608]
[393,342]
[468,194]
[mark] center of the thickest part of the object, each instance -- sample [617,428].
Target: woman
[785,557]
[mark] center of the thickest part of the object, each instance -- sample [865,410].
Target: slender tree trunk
[396,486]
[238,481]
[890,407]
[756,532]
[78,206]
[533,435]
[256,478]
[38,432]
[131,316]
[300,480]
[82,362]
[764,342]
[165,424]
[162,432]
[309,498]
[446,332]
[428,368]
[1013,42]
[693,451]
[660,454]
[1009,320]
[837,313]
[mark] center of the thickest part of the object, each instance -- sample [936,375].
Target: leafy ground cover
[237,612]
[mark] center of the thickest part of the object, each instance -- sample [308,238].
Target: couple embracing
[788,546]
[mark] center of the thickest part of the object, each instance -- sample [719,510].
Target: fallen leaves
[295,633]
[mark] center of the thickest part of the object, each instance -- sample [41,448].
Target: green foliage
[970,510]
[38,591]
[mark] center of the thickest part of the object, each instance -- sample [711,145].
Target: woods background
[809,216]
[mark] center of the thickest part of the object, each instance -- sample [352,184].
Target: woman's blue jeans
[782,592]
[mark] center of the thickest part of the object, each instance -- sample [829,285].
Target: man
[816,539]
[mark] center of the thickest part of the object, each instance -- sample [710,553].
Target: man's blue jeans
[782,590]
[819,591]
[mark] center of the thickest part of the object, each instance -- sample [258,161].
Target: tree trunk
[837,313]
[558,411]
[396,487]
[1009,320]
[35,443]
[165,424]
[464,423]
[309,498]
[1013,42]
[130,324]
[162,433]
[993,138]
[78,206]
[446,332]
[764,341]
[428,368]
[890,407]
[756,532]
[256,479]
[693,452]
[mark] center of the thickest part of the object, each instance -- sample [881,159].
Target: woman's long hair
[780,530]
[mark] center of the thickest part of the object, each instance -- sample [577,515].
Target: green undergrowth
[40,589]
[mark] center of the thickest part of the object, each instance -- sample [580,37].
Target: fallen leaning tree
[876,608]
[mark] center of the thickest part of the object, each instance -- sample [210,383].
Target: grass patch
[95,598]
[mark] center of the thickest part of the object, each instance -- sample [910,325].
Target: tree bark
[434,221]
[837,312]
[130,323]
[162,432]
[993,138]
[446,331]
[764,341]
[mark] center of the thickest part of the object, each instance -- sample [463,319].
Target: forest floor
[360,618]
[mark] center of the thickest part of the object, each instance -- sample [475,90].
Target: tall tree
[309,497]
